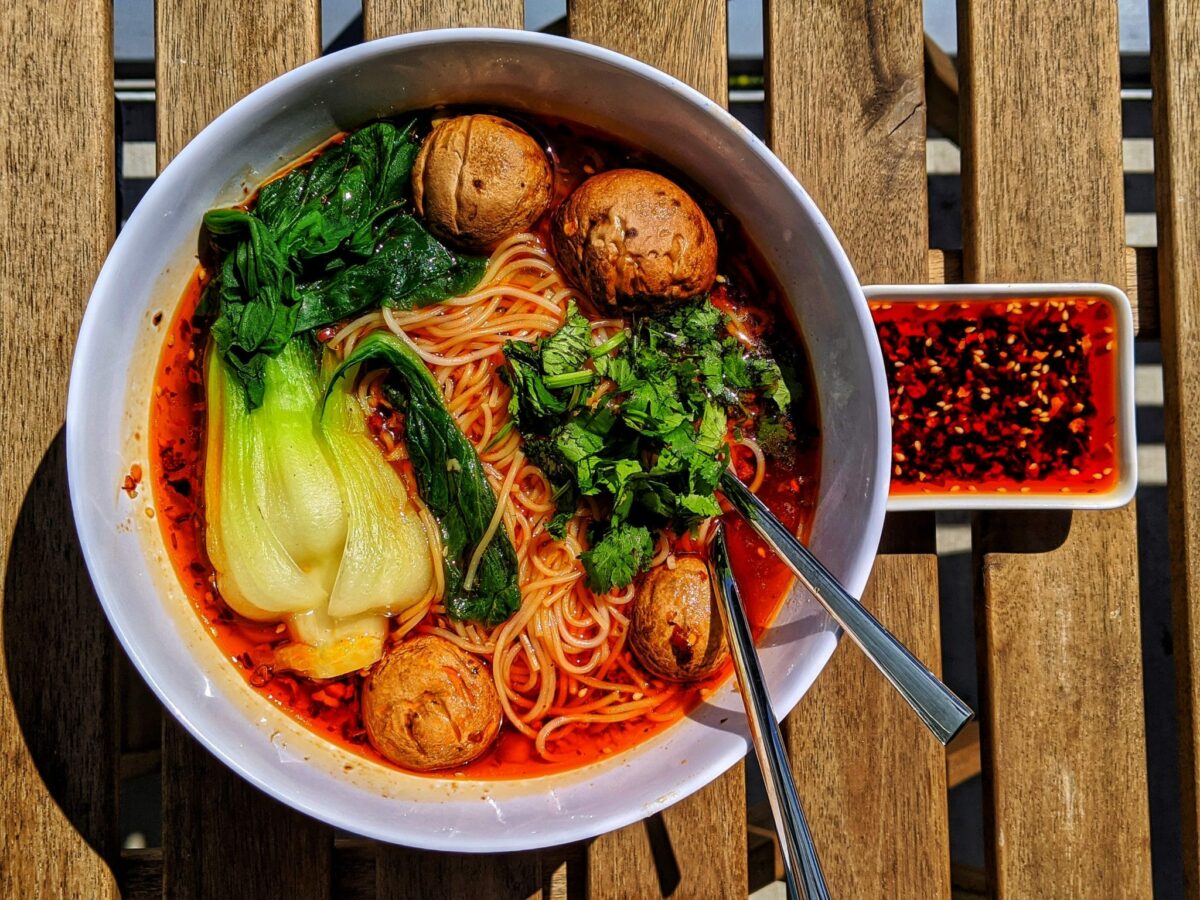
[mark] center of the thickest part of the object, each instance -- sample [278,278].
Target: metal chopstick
[800,862]
[936,704]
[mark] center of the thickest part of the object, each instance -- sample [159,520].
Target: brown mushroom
[478,179]
[676,629]
[628,237]
[430,704]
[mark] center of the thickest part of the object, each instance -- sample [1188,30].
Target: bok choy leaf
[452,483]
[386,564]
[323,242]
[307,522]
[276,520]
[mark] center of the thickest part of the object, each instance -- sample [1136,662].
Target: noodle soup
[573,674]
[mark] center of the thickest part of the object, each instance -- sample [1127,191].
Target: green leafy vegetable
[620,553]
[385,563]
[305,518]
[276,523]
[480,563]
[326,241]
[567,349]
[409,269]
[653,448]
[253,292]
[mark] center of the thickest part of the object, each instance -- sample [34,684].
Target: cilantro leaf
[769,380]
[652,450]
[567,349]
[702,505]
[773,437]
[620,554]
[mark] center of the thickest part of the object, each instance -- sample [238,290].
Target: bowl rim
[266,97]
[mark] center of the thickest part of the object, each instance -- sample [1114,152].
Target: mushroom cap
[430,704]
[676,630]
[628,237]
[478,179]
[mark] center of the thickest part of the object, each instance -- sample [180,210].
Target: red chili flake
[132,480]
[322,696]
[998,394]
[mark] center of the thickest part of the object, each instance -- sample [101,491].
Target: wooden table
[1062,738]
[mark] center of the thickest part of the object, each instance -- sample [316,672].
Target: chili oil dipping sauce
[1008,395]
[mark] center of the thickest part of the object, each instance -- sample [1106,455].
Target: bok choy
[276,520]
[306,520]
[480,563]
[386,562]
[323,242]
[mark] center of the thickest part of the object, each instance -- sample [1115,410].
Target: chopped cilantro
[620,553]
[653,447]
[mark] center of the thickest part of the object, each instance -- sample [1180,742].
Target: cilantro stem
[500,435]
[610,345]
[568,379]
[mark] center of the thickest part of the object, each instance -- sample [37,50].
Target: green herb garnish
[652,448]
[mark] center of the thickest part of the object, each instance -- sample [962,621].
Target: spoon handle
[803,868]
[936,704]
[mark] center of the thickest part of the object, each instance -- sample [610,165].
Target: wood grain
[210,56]
[962,756]
[222,837]
[58,712]
[404,874]
[696,848]
[846,113]
[1063,737]
[384,17]
[684,39]
[1175,51]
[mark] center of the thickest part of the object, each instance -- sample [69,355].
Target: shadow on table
[59,658]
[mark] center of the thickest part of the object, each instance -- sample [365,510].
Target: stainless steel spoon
[936,704]
[800,862]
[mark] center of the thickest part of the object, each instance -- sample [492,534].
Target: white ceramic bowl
[150,264]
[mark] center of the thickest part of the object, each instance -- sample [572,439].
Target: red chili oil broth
[1001,396]
[331,708]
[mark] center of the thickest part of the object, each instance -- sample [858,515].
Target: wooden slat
[1063,736]
[221,837]
[355,873]
[57,677]
[941,90]
[1175,45]
[384,17]
[684,39]
[846,113]
[404,874]
[698,846]
[962,756]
